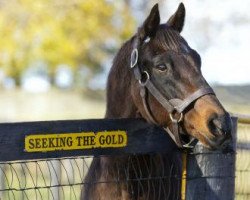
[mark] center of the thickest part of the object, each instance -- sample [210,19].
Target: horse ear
[176,21]
[150,25]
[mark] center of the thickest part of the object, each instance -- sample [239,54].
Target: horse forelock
[169,39]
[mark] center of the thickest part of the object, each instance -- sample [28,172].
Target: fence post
[211,174]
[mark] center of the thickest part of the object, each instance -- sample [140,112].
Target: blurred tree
[76,33]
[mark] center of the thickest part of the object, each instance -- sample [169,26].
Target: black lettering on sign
[51,144]
[71,141]
[31,144]
[38,145]
[92,140]
[114,139]
[120,139]
[102,140]
[44,142]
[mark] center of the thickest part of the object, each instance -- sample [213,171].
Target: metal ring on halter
[144,83]
[176,120]
[134,58]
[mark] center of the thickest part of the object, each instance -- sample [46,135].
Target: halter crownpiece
[173,106]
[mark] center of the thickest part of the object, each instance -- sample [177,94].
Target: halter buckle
[176,120]
[144,83]
[134,58]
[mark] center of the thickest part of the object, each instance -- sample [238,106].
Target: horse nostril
[220,125]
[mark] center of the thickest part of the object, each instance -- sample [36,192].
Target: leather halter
[173,106]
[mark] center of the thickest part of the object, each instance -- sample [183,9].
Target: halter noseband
[172,106]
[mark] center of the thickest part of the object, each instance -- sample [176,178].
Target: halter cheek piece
[173,106]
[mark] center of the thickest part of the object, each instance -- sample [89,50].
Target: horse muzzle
[221,129]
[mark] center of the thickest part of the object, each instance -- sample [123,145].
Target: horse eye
[162,67]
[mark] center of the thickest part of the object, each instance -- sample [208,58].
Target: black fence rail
[49,160]
[57,139]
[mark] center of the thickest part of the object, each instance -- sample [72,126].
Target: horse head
[169,88]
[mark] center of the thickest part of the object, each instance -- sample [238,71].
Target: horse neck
[119,99]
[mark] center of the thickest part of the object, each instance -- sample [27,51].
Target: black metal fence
[64,178]
[43,179]
[60,174]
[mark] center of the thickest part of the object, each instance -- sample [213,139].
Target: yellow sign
[73,141]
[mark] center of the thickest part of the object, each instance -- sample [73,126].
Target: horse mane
[119,83]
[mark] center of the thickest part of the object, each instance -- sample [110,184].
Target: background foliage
[73,33]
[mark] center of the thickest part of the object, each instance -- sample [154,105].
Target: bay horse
[156,75]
